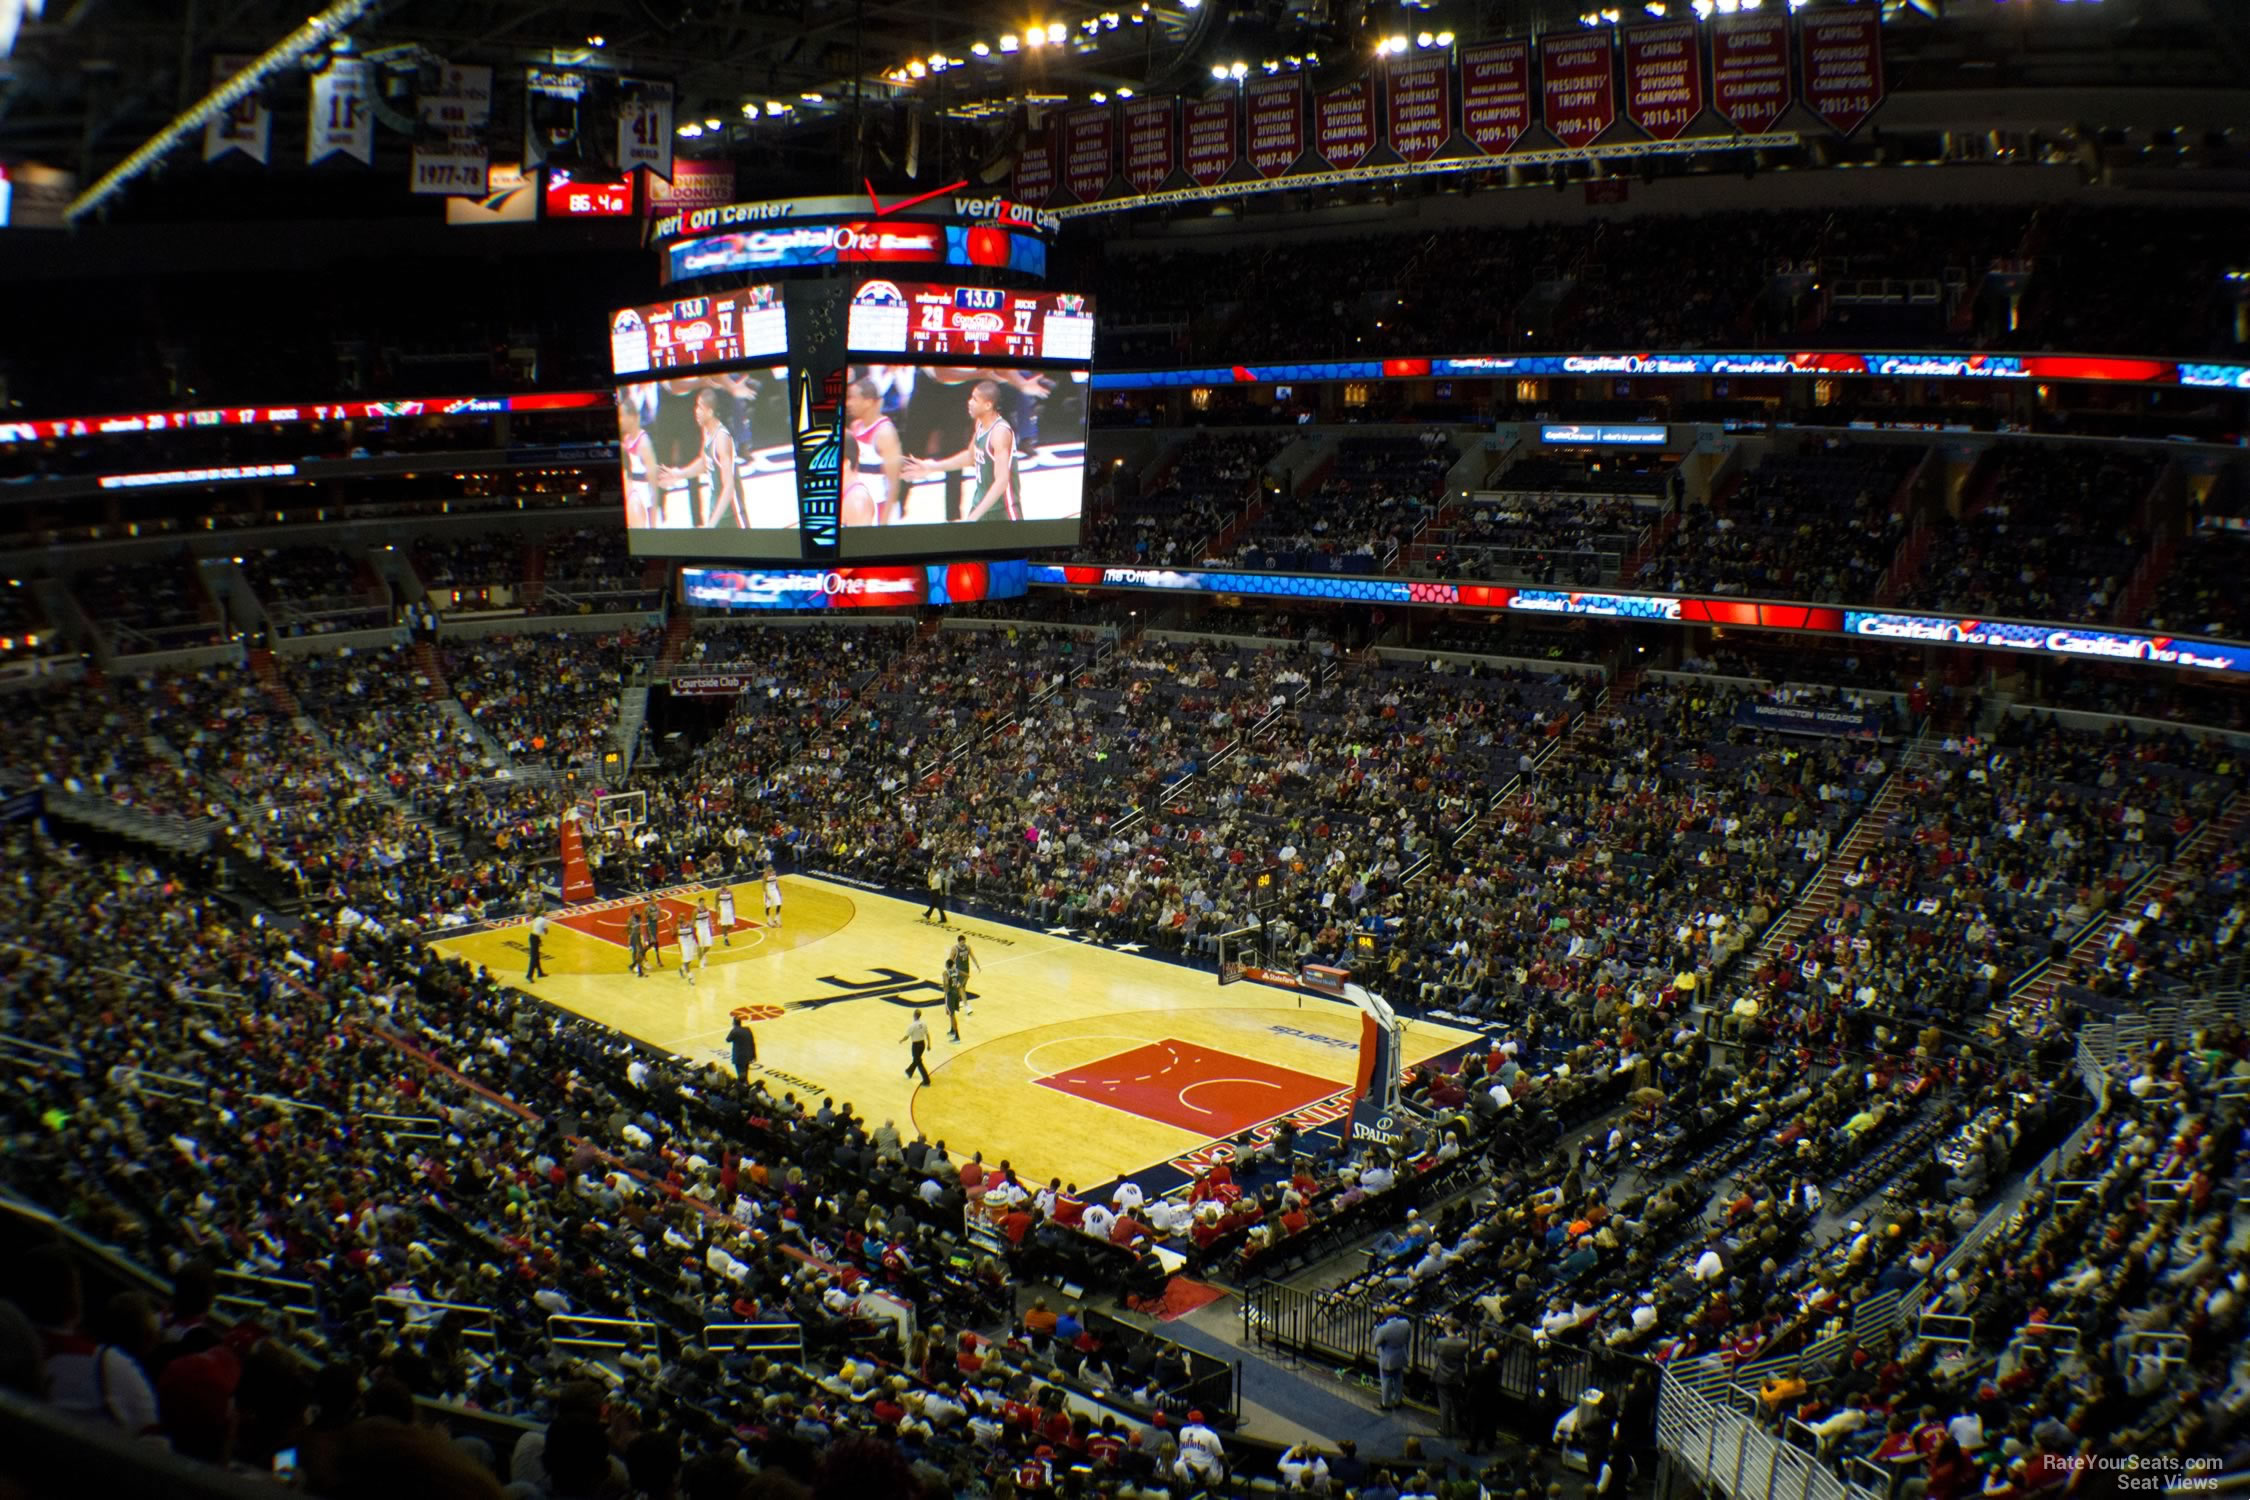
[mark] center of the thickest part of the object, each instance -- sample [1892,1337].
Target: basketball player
[726,915]
[874,450]
[714,465]
[773,898]
[991,453]
[644,503]
[956,995]
[637,941]
[652,917]
[703,925]
[688,951]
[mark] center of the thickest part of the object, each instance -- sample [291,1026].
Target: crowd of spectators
[2200,594]
[2056,538]
[314,590]
[481,559]
[1376,493]
[1821,525]
[547,700]
[1207,484]
[1591,919]
[160,603]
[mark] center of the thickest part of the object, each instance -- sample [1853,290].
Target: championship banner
[1843,53]
[1496,94]
[1149,153]
[452,158]
[1035,167]
[1419,106]
[1575,81]
[644,128]
[1750,83]
[340,118]
[247,127]
[1207,140]
[1663,78]
[551,101]
[1277,126]
[1089,152]
[1344,124]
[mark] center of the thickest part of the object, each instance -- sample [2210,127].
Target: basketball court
[1079,1061]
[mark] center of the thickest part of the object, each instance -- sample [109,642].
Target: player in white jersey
[726,915]
[877,456]
[644,504]
[703,925]
[773,898]
[689,952]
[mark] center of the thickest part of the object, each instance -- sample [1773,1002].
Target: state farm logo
[692,333]
[979,324]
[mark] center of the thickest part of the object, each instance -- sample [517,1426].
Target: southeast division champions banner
[1035,167]
[1344,127]
[1663,78]
[1843,61]
[1277,126]
[1420,113]
[1751,86]
[1149,156]
[1577,85]
[1088,152]
[1496,94]
[1208,145]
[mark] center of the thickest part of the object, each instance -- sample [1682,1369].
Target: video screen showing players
[957,457]
[710,466]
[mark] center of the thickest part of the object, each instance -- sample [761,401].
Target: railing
[1732,1454]
[258,1294]
[786,1340]
[600,1336]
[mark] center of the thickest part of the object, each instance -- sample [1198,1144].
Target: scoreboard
[971,322]
[691,332]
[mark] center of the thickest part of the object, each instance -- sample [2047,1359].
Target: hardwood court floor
[1080,1061]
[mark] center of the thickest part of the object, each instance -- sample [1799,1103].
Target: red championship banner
[1750,83]
[1420,106]
[1578,85]
[1149,154]
[1344,127]
[1496,94]
[1843,53]
[1089,152]
[1035,168]
[1277,126]
[1207,146]
[1663,78]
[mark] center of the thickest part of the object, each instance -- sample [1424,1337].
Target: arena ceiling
[88,81]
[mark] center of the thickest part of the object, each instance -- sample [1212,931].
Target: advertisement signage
[1803,718]
[1592,435]
[883,587]
[2059,640]
[571,197]
[122,423]
[690,185]
[880,242]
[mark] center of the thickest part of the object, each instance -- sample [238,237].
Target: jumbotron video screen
[710,469]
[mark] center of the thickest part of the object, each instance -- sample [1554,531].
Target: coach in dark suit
[745,1048]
